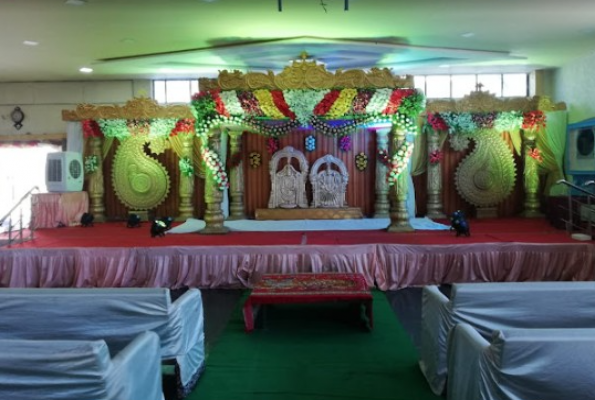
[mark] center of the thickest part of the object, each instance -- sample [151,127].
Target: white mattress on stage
[195,225]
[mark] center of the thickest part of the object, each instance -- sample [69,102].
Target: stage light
[160,226]
[87,220]
[133,221]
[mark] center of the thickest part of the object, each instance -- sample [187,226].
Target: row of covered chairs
[98,343]
[504,341]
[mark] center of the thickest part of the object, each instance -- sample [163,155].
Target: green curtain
[552,144]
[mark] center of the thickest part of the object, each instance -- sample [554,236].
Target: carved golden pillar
[530,179]
[399,216]
[382,205]
[186,209]
[95,183]
[213,196]
[236,178]
[434,205]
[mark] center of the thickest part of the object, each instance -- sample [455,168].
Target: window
[22,167]
[514,85]
[438,86]
[458,86]
[462,85]
[174,91]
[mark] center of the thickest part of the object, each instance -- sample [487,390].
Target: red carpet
[114,234]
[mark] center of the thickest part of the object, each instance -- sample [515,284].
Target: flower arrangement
[436,122]
[91,164]
[310,143]
[272,145]
[235,160]
[255,159]
[534,121]
[399,162]
[383,157]
[361,161]
[161,127]
[215,167]
[345,143]
[185,125]
[186,167]
[535,154]
[91,128]
[435,157]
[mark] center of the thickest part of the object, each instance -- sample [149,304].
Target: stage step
[284,214]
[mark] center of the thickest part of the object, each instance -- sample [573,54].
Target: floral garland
[307,107]
[399,162]
[215,167]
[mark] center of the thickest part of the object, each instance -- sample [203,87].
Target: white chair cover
[80,370]
[520,364]
[501,305]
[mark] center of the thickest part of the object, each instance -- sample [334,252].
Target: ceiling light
[30,43]
[86,70]
[76,2]
[468,34]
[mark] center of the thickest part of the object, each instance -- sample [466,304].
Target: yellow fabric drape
[107,145]
[197,163]
[551,142]
[419,158]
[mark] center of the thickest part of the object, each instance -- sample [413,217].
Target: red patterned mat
[307,288]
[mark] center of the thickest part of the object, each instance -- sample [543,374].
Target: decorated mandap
[309,143]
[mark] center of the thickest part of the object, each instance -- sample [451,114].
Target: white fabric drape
[74,137]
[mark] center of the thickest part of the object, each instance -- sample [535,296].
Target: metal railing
[14,217]
[580,210]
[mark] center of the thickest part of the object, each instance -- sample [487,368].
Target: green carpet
[314,352]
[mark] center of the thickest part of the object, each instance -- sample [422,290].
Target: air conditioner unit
[580,148]
[64,172]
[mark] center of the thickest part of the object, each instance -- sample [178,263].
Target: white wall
[574,84]
[43,102]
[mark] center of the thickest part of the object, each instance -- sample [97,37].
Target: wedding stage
[112,255]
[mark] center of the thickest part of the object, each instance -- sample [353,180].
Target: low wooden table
[307,288]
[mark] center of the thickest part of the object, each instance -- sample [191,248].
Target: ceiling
[123,39]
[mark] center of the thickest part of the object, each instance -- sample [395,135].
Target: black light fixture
[87,220]
[17,116]
[322,3]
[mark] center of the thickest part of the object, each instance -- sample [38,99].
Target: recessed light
[86,70]
[30,43]
[468,34]
[444,66]
[76,2]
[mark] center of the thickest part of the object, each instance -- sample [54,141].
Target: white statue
[288,185]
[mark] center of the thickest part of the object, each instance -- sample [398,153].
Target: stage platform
[111,255]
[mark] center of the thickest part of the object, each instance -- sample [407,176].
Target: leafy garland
[120,128]
[468,123]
